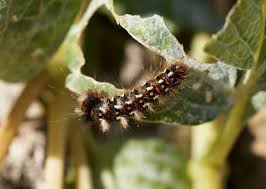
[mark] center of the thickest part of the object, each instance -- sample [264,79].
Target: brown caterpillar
[97,107]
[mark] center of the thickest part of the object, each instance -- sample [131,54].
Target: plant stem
[58,121]
[208,167]
[204,173]
[235,119]
[83,171]
[16,115]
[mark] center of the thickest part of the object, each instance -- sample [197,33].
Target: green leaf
[259,100]
[150,164]
[239,42]
[160,41]
[190,105]
[2,6]
[30,32]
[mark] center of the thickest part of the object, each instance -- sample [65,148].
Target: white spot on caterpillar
[102,109]
[170,74]
[129,102]
[160,81]
[118,106]
[139,95]
[149,88]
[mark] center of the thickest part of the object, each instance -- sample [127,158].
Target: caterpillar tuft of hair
[98,107]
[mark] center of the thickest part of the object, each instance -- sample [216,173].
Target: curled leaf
[203,97]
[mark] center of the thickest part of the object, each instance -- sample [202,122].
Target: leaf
[150,164]
[2,5]
[30,32]
[77,82]
[153,34]
[189,106]
[239,42]
[259,100]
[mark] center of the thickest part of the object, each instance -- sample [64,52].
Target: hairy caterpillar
[98,107]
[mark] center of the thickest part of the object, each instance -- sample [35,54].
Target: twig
[235,119]
[58,121]
[204,173]
[83,171]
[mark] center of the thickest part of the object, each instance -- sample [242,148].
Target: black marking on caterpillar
[97,107]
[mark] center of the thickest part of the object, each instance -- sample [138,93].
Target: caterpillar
[98,107]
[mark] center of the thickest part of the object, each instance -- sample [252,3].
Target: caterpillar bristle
[123,122]
[98,107]
[104,125]
[137,116]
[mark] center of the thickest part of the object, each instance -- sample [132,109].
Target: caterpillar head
[87,104]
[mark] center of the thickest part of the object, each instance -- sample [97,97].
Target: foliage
[154,156]
[48,36]
[30,34]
